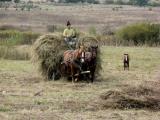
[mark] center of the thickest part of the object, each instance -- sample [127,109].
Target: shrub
[22,8]
[77,1]
[115,8]
[119,2]
[140,34]
[92,31]
[139,2]
[108,1]
[16,1]
[107,30]
[150,8]
[154,4]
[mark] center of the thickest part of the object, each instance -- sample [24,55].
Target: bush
[140,34]
[108,1]
[107,30]
[150,8]
[119,2]
[154,4]
[92,30]
[139,2]
[82,1]
[16,1]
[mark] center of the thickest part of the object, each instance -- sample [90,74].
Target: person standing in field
[70,36]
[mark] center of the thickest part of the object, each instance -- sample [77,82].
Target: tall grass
[13,37]
[15,45]
[15,52]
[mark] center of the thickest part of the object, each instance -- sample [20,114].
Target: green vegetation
[5,0]
[15,52]
[4,109]
[133,2]
[82,1]
[140,34]
[154,4]
[142,59]
[30,5]
[16,1]
[14,65]
[92,30]
[13,37]
[15,45]
[139,2]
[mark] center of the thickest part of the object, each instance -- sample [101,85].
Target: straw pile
[131,98]
[47,51]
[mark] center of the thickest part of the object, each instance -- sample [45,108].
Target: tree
[16,1]
[82,1]
[5,0]
[139,2]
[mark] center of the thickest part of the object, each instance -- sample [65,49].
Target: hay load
[88,41]
[47,51]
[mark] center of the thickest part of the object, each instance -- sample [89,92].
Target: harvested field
[81,16]
[25,95]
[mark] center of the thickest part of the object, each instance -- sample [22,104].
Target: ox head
[94,50]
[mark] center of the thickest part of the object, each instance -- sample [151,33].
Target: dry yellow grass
[24,95]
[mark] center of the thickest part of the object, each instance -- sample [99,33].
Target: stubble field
[25,95]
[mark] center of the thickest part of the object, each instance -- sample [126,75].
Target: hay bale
[88,41]
[131,98]
[47,51]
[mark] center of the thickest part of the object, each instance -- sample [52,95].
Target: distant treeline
[117,2]
[16,1]
[79,1]
[5,0]
[134,2]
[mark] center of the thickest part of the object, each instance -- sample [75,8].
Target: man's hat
[68,23]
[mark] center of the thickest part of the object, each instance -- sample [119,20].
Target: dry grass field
[24,95]
[81,16]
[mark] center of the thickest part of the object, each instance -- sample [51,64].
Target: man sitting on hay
[70,36]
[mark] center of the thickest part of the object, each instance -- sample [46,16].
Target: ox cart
[81,68]
[48,52]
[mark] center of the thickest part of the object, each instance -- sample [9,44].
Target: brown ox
[71,63]
[90,61]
